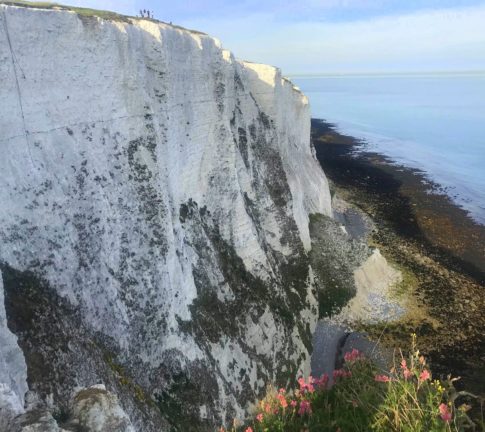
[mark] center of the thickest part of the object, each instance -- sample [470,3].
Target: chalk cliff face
[155,197]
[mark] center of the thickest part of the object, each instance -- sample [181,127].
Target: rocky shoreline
[438,248]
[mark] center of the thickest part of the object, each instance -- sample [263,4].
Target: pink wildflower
[282,400]
[382,378]
[260,417]
[425,375]
[306,386]
[267,408]
[305,408]
[341,373]
[249,429]
[445,414]
[301,382]
[281,391]
[353,356]
[407,373]
[293,403]
[321,382]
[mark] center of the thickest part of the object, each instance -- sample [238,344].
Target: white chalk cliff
[155,195]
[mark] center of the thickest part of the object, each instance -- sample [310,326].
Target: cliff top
[86,12]
[265,71]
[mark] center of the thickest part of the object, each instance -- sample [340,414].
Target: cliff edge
[154,231]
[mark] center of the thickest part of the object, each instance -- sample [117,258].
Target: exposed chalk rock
[96,410]
[354,281]
[373,280]
[92,409]
[154,232]
[37,420]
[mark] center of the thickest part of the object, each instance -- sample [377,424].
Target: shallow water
[435,123]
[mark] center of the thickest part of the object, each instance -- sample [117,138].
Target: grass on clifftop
[86,12]
[89,13]
[404,399]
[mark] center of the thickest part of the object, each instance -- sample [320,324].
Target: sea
[434,123]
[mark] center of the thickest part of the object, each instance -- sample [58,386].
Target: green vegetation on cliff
[83,12]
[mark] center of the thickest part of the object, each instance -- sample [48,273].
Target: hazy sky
[315,36]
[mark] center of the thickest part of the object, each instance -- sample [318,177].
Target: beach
[439,249]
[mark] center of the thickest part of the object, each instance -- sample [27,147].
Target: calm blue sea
[435,123]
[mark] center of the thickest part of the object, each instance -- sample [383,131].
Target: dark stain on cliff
[60,353]
[221,309]
[187,387]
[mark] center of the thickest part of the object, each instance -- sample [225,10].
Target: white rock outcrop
[97,410]
[92,409]
[373,301]
[154,222]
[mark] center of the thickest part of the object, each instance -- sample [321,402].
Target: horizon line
[384,73]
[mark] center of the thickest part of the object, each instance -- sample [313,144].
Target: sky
[333,36]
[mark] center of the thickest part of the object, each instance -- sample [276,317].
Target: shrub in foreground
[360,398]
